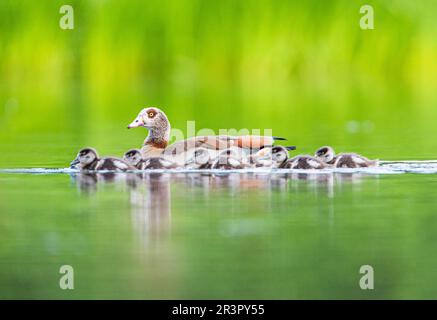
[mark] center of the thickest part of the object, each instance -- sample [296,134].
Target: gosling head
[276,154]
[133,157]
[279,154]
[85,157]
[325,154]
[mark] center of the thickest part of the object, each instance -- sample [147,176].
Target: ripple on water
[385,167]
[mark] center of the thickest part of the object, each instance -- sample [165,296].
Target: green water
[237,236]
[305,70]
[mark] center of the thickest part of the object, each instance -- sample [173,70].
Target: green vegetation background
[302,68]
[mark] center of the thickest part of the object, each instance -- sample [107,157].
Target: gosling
[134,158]
[88,159]
[228,159]
[199,159]
[343,160]
[304,162]
[270,157]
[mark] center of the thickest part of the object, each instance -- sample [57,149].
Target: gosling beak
[136,123]
[74,163]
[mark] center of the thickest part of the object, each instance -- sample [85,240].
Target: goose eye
[151,114]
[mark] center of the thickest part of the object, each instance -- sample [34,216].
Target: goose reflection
[149,197]
[150,194]
[151,207]
[89,183]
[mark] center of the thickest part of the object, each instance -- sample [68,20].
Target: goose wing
[220,143]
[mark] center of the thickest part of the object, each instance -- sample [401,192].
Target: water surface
[238,235]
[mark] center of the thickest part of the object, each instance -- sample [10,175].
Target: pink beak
[138,122]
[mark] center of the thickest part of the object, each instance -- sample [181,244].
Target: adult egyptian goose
[88,159]
[343,160]
[156,143]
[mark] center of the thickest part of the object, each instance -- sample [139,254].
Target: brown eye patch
[151,113]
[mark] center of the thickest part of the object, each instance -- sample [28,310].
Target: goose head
[150,118]
[157,122]
[85,157]
[325,154]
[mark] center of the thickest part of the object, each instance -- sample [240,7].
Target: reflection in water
[149,197]
[150,193]
[151,207]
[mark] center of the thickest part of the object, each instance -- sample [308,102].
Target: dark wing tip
[289,148]
[278,138]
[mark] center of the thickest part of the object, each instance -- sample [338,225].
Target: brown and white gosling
[304,162]
[228,159]
[199,159]
[134,158]
[270,157]
[343,160]
[88,159]
[157,163]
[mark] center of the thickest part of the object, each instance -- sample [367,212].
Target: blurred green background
[304,69]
